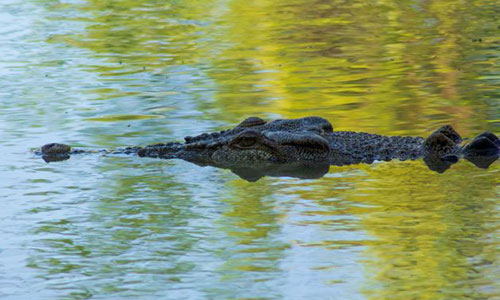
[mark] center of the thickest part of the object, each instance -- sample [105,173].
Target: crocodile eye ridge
[252,121]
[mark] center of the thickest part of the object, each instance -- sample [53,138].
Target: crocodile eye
[246,142]
[247,139]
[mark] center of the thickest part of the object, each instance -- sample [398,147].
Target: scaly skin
[255,143]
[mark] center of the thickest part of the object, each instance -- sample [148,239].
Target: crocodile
[306,145]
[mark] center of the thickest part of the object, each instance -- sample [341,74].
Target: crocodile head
[252,141]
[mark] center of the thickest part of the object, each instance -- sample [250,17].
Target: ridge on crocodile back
[255,144]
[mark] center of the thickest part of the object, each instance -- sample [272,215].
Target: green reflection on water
[412,65]
[392,67]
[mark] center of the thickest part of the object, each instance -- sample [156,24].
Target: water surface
[118,73]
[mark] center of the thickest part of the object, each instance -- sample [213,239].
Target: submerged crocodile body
[308,143]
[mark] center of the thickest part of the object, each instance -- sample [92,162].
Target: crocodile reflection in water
[304,148]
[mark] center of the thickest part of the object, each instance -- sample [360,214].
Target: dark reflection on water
[121,72]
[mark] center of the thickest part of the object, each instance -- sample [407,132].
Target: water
[118,73]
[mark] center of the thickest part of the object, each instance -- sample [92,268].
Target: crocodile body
[311,141]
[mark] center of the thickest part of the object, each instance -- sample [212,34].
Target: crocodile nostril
[55,148]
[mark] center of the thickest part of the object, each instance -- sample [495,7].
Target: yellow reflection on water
[429,238]
[433,235]
[390,66]
[250,223]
